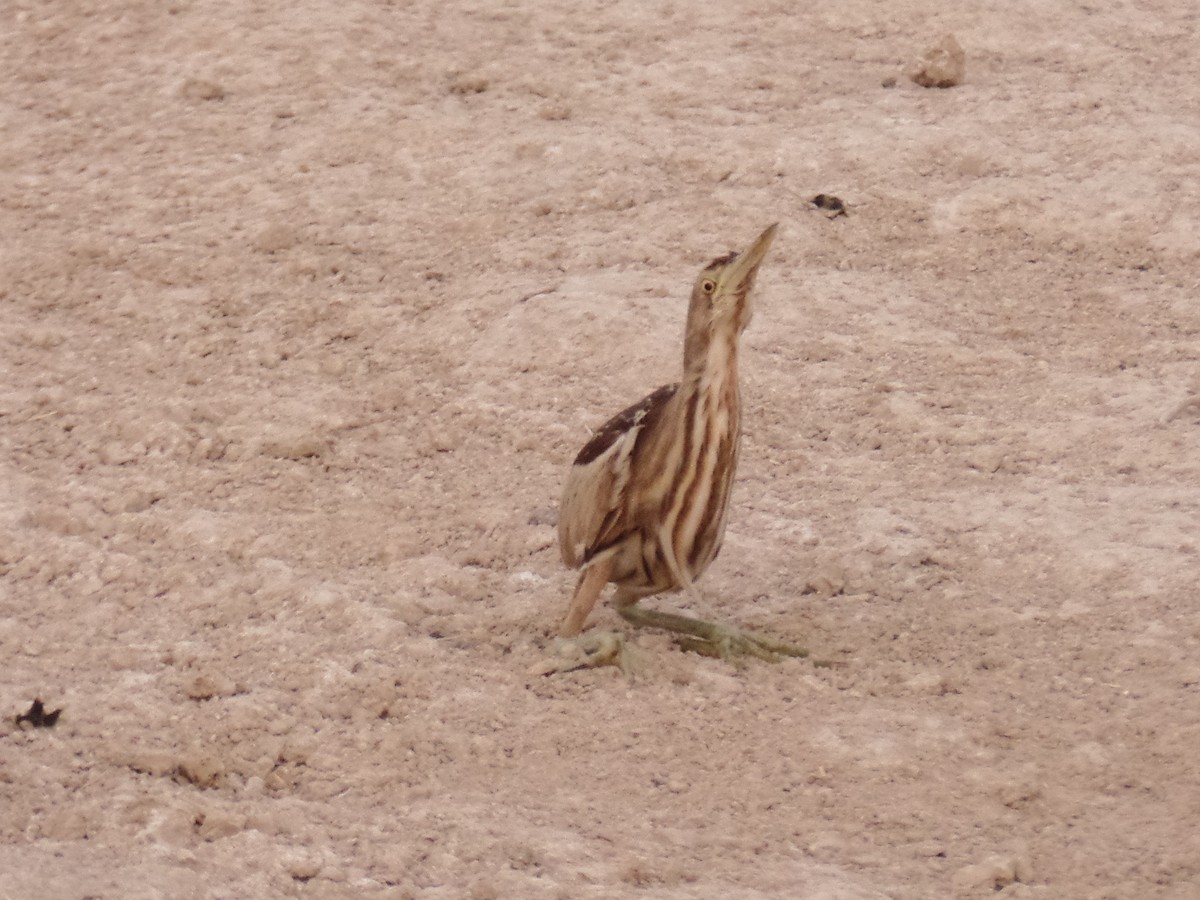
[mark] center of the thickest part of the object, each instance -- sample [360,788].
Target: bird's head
[721,294]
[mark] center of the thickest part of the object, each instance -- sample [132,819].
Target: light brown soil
[306,307]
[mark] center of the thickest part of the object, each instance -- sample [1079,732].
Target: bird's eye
[708,285]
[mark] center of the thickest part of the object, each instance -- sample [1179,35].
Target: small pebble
[943,65]
[303,868]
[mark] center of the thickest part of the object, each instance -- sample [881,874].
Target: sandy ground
[307,306]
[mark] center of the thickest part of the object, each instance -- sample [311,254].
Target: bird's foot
[726,642]
[590,651]
[733,645]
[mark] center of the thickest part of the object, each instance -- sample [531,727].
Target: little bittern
[646,499]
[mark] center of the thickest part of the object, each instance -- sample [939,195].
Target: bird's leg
[587,591]
[708,638]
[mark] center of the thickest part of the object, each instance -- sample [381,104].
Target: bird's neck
[710,364]
[711,352]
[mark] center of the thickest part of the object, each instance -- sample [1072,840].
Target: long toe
[734,645]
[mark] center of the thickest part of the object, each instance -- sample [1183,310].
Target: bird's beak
[743,268]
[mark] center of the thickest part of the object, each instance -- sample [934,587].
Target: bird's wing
[594,511]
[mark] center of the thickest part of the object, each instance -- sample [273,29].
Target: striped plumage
[645,502]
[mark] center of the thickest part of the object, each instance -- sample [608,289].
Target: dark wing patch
[608,433]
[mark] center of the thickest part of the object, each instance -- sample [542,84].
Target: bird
[645,502]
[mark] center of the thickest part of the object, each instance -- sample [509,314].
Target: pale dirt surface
[307,306]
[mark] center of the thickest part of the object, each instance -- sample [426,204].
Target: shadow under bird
[646,500]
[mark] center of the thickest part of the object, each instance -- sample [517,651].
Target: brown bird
[645,502]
